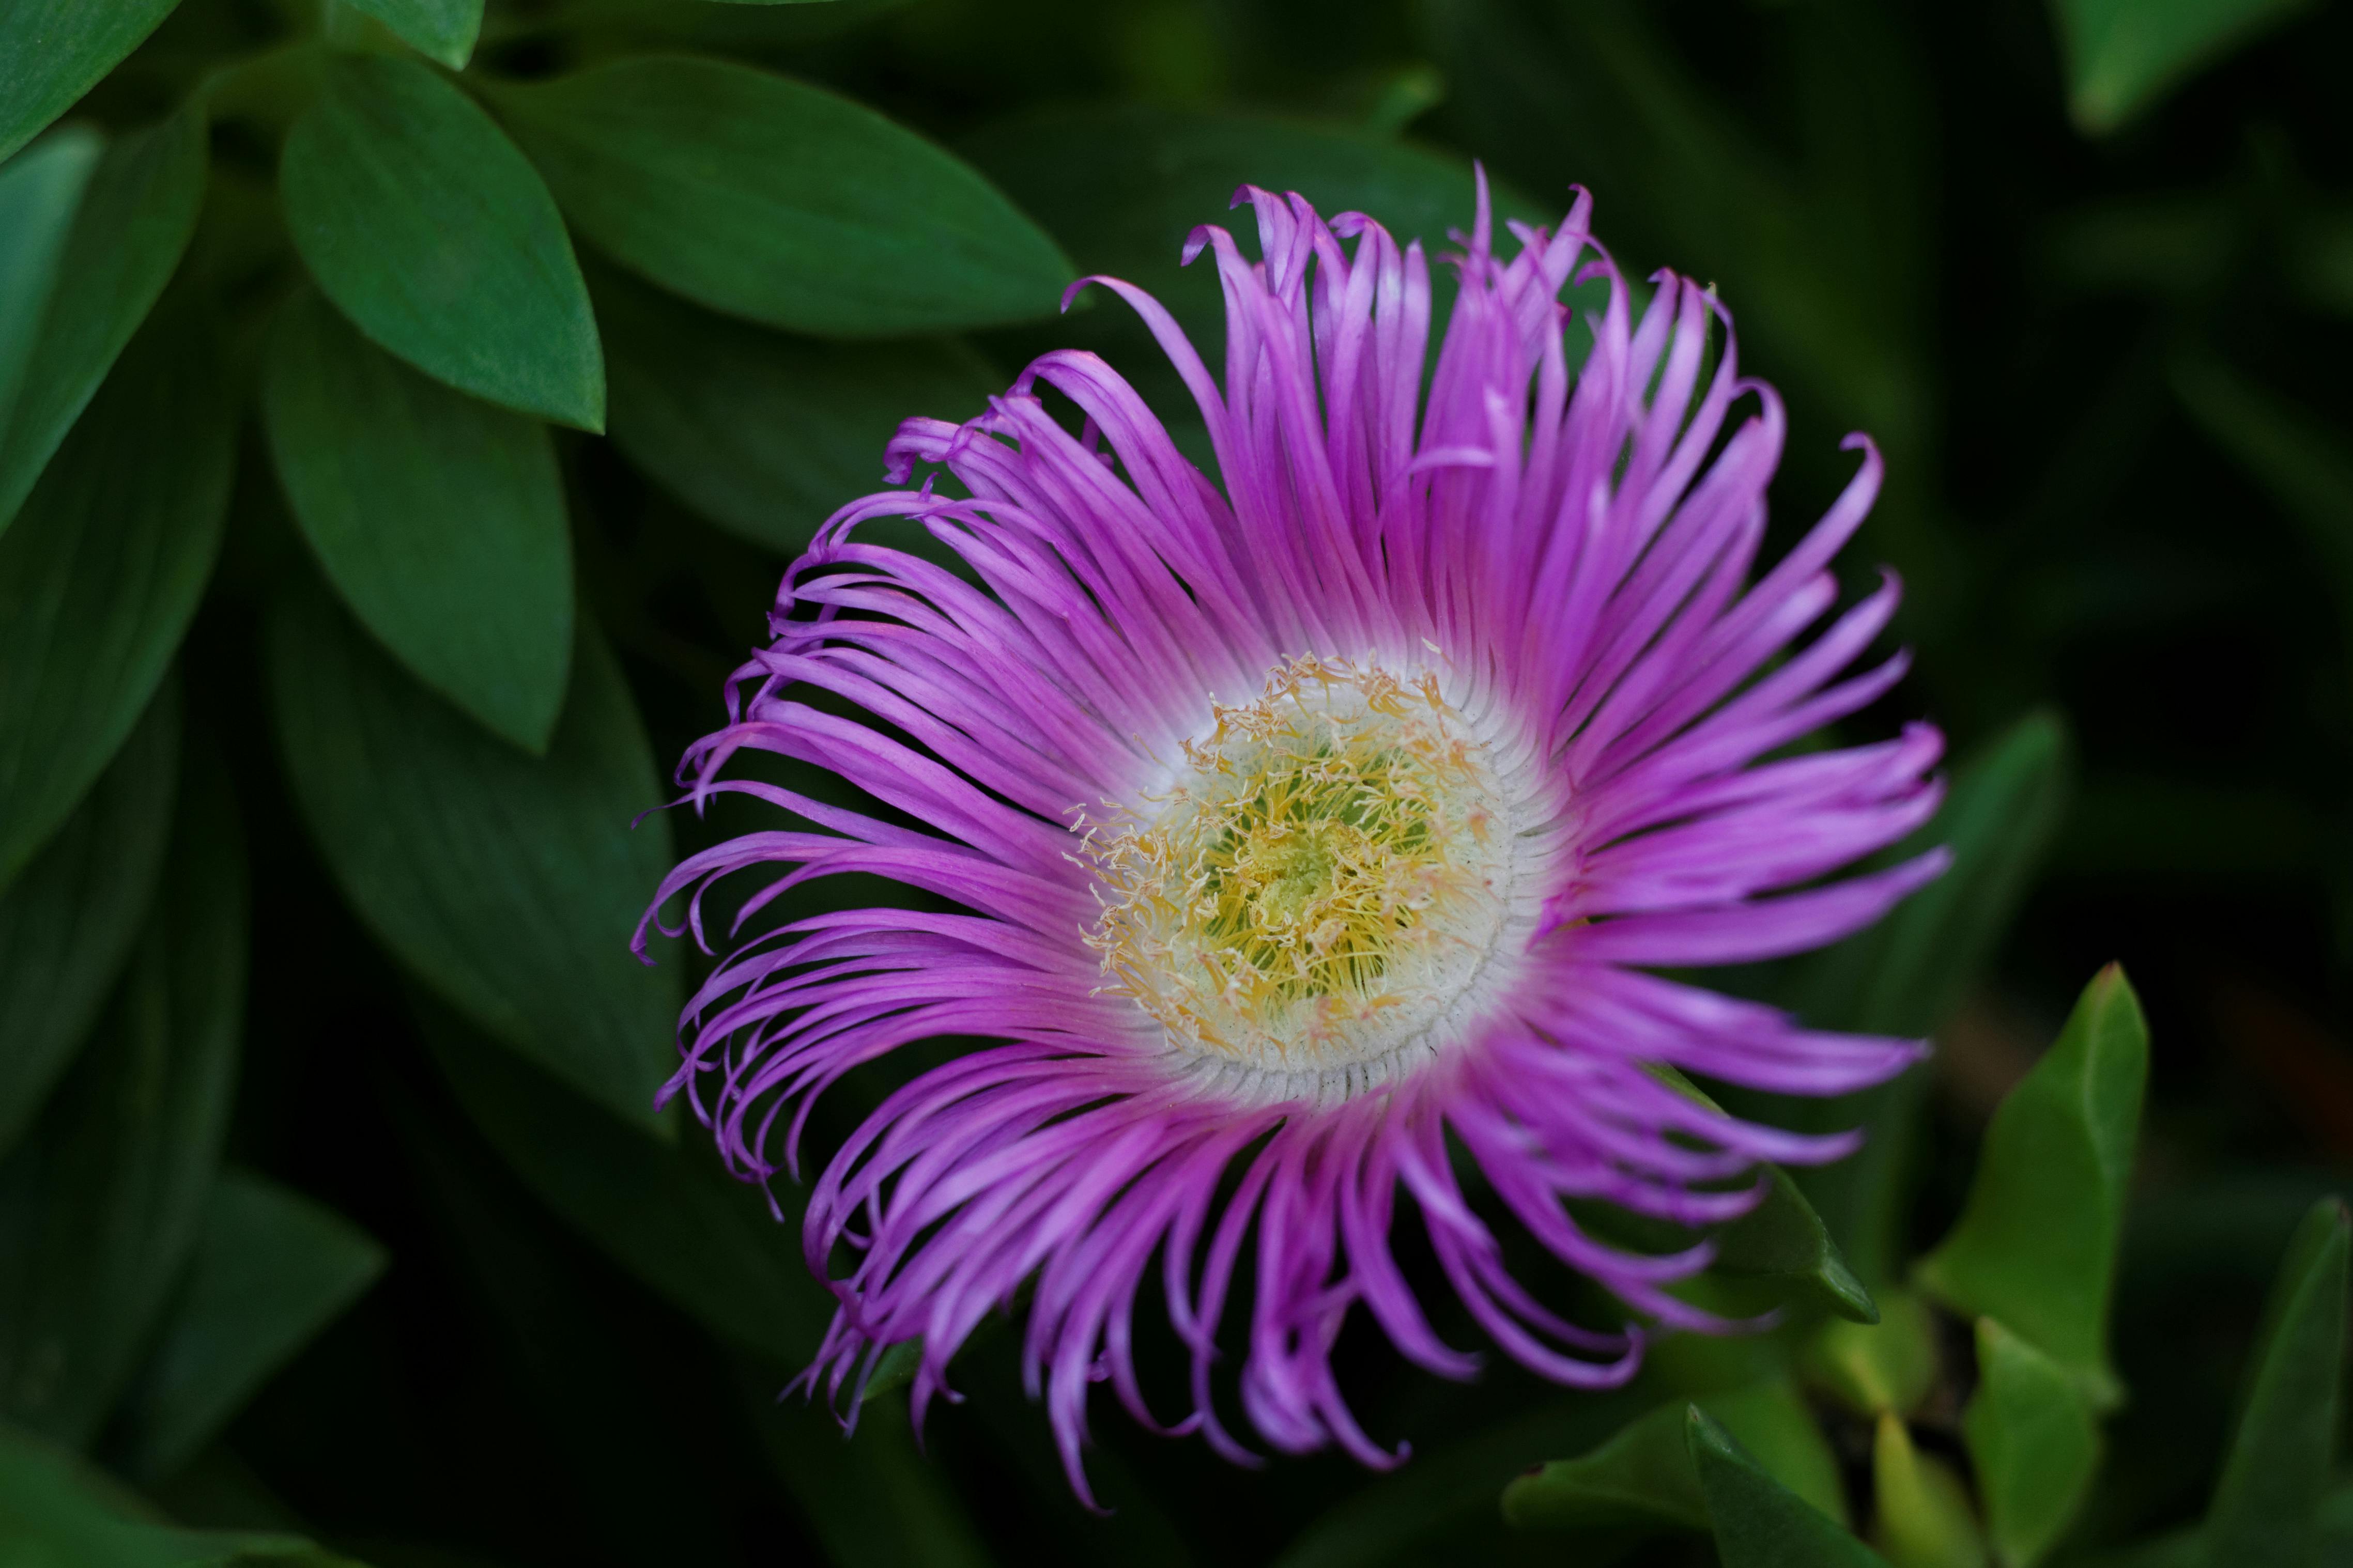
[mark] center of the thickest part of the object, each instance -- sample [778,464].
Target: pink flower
[1304,830]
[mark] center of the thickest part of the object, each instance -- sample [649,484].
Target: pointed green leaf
[1782,1240]
[444,30]
[424,226]
[438,518]
[100,577]
[135,219]
[510,885]
[53,51]
[1921,1510]
[2033,1442]
[67,924]
[100,1203]
[2266,1507]
[1906,974]
[39,190]
[59,1512]
[2124,56]
[271,1269]
[1644,1479]
[1781,1243]
[1759,1522]
[762,432]
[770,199]
[2036,1243]
[667,1215]
[1876,1369]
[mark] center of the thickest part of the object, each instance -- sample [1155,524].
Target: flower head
[1288,834]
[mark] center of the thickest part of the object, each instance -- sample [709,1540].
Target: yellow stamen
[1326,857]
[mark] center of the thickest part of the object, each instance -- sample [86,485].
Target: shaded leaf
[1921,1511]
[1644,1478]
[2036,1243]
[2304,462]
[874,1499]
[767,198]
[134,220]
[271,1270]
[2266,1507]
[669,1216]
[1759,1522]
[2124,56]
[444,30]
[424,226]
[1905,975]
[67,924]
[101,575]
[763,433]
[510,885]
[648,1485]
[2033,1442]
[438,518]
[1873,1369]
[53,51]
[1120,187]
[1443,1504]
[100,1203]
[55,1509]
[39,189]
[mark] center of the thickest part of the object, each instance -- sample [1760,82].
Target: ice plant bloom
[1302,838]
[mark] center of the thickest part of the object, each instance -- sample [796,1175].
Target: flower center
[1317,889]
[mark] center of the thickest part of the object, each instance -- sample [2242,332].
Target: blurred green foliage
[407,407]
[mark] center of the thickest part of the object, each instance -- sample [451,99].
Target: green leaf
[667,1215]
[271,1269]
[2033,1443]
[770,199]
[2124,56]
[427,228]
[100,1203]
[438,518]
[100,577]
[2266,1507]
[1443,1504]
[1644,1476]
[1781,1243]
[1905,974]
[444,30]
[67,924]
[57,1511]
[763,433]
[1782,1240]
[1873,1369]
[39,189]
[2036,1243]
[134,220]
[1759,1522]
[53,51]
[510,885]
[1921,1509]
